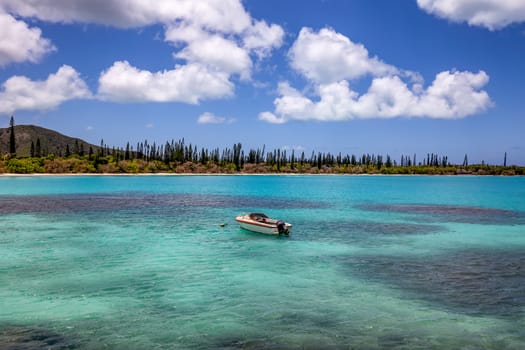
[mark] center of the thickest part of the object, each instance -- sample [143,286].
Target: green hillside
[51,142]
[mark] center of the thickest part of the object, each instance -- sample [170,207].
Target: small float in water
[261,223]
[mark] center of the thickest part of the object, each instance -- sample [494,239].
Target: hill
[50,141]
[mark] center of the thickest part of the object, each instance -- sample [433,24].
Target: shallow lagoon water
[373,263]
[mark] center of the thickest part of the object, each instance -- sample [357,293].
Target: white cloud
[187,83]
[492,14]
[219,54]
[19,43]
[271,118]
[210,118]
[454,95]
[212,58]
[262,38]
[217,15]
[214,38]
[220,17]
[292,102]
[327,56]
[226,53]
[184,32]
[451,95]
[330,60]
[21,93]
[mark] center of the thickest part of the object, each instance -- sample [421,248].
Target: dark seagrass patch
[475,282]
[452,213]
[33,338]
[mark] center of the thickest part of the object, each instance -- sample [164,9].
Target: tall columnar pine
[38,150]
[12,142]
[388,162]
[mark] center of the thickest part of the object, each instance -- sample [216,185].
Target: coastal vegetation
[29,149]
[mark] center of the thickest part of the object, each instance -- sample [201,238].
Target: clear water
[373,263]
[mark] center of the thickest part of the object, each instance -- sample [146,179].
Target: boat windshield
[258,216]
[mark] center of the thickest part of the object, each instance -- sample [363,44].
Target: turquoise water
[373,263]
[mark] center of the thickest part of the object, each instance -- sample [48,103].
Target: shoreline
[237,174]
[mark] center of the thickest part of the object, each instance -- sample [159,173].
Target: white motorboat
[259,222]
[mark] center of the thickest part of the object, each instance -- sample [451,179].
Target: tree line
[178,156]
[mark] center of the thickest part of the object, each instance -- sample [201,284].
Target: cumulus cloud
[185,20]
[269,117]
[21,93]
[210,118]
[330,61]
[213,16]
[328,56]
[492,14]
[216,56]
[451,95]
[214,40]
[19,43]
[226,53]
[188,83]
[262,38]
[218,53]
[217,15]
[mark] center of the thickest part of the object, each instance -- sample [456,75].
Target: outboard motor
[281,227]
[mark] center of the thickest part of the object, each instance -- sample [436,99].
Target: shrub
[24,166]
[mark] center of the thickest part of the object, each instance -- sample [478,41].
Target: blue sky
[350,76]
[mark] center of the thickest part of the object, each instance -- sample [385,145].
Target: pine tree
[465,160]
[12,144]
[278,158]
[388,162]
[38,151]
[237,156]
[379,162]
